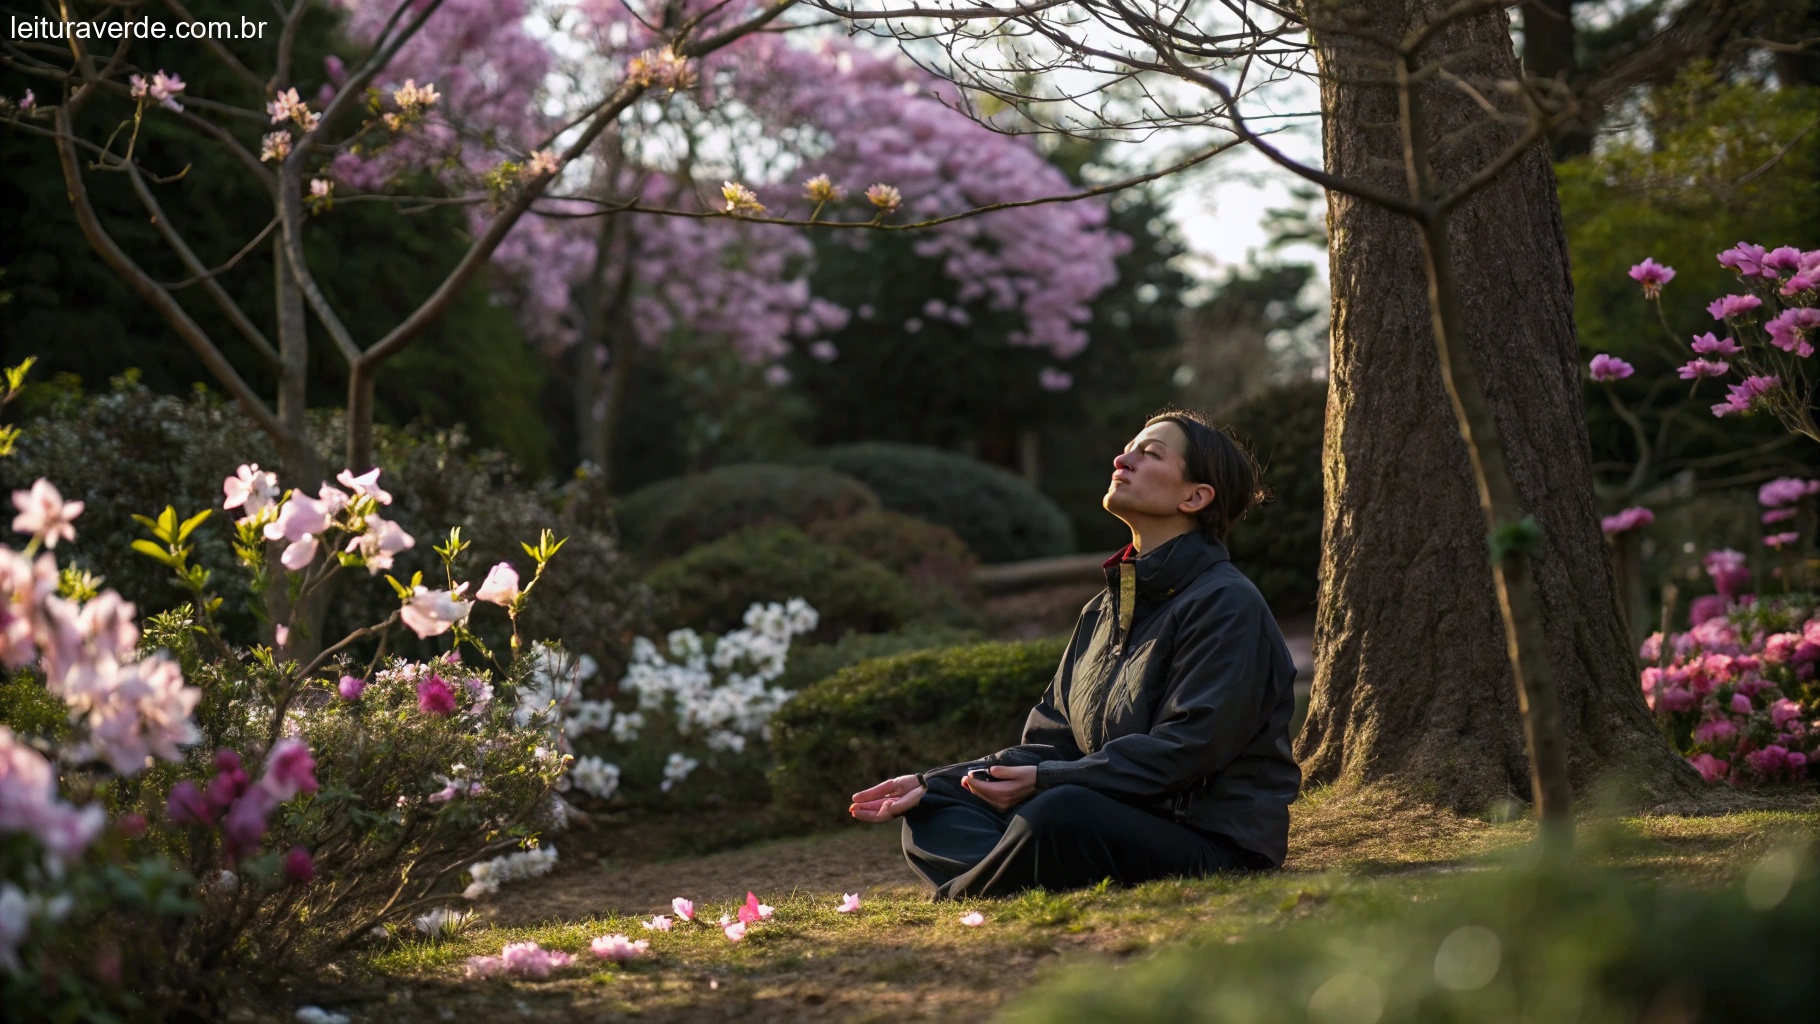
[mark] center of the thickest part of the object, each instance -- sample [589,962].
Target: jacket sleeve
[1213,697]
[1047,734]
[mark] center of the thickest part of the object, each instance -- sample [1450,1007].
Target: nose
[1119,461]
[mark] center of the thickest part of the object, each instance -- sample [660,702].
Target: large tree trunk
[1413,682]
[1550,48]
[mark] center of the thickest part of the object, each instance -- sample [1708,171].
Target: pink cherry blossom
[1709,345]
[735,931]
[973,919]
[1629,519]
[500,587]
[657,923]
[1607,368]
[251,489]
[44,514]
[685,909]
[618,947]
[1652,276]
[434,612]
[351,687]
[434,697]
[1788,330]
[848,904]
[1711,768]
[298,867]
[164,89]
[1732,305]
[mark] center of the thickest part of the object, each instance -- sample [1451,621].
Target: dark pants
[1067,837]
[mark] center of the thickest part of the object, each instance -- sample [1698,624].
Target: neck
[1150,534]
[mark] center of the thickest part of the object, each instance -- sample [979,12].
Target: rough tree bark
[1413,683]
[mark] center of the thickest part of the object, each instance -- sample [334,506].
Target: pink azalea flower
[1784,259]
[366,485]
[1607,368]
[618,947]
[658,923]
[289,770]
[244,824]
[434,697]
[1774,761]
[848,904]
[1053,379]
[1746,259]
[1779,649]
[1698,368]
[298,866]
[251,489]
[1786,491]
[500,587]
[1708,345]
[1711,768]
[973,919]
[824,351]
[186,805]
[685,909]
[300,517]
[1732,305]
[735,931]
[1789,329]
[754,910]
[1729,570]
[1780,540]
[1712,730]
[1629,519]
[1807,275]
[1652,647]
[379,543]
[1784,711]
[1652,276]
[44,514]
[1740,704]
[1675,698]
[351,687]
[434,612]
[1777,515]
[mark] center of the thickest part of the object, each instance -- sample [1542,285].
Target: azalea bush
[690,701]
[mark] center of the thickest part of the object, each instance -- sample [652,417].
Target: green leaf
[190,524]
[404,592]
[146,521]
[167,525]
[153,551]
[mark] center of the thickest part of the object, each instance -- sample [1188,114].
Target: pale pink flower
[500,586]
[658,923]
[1709,345]
[618,947]
[281,634]
[299,517]
[777,375]
[366,485]
[1652,647]
[286,106]
[740,199]
[820,189]
[1607,368]
[138,87]
[1629,519]
[274,146]
[685,909]
[848,904]
[1053,379]
[1732,305]
[250,489]
[973,919]
[1780,540]
[298,554]
[523,959]
[44,514]
[28,102]
[1711,768]
[1697,368]
[541,164]
[138,710]
[886,197]
[1652,276]
[824,352]
[734,931]
[381,541]
[433,612]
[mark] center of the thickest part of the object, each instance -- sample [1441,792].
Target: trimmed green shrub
[711,587]
[886,717]
[932,558]
[812,663]
[1514,944]
[671,516]
[998,514]
[1279,544]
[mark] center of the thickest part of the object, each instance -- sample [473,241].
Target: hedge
[1279,544]
[999,515]
[905,713]
[672,516]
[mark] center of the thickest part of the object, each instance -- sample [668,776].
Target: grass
[901,957]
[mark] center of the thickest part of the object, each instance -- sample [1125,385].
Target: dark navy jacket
[1174,694]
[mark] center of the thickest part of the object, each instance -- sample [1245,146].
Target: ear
[1198,498]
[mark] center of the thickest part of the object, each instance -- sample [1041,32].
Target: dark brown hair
[1216,458]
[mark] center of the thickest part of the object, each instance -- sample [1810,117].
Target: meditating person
[1161,747]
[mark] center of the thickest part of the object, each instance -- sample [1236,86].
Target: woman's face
[1147,477]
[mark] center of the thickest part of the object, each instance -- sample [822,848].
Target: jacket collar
[1169,567]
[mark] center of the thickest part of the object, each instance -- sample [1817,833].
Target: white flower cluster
[746,660]
[553,689]
[488,875]
[595,777]
[443,923]
[677,769]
